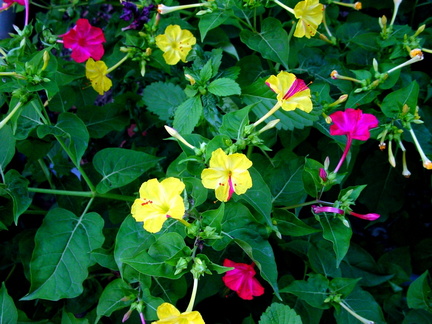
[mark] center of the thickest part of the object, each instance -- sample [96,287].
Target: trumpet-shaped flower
[242,280]
[328,209]
[158,201]
[227,174]
[169,314]
[96,72]
[85,41]
[291,92]
[310,15]
[354,124]
[176,44]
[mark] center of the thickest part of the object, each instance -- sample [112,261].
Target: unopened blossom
[329,209]
[227,174]
[85,41]
[163,10]
[176,44]
[169,314]
[96,72]
[158,201]
[242,280]
[357,5]
[354,124]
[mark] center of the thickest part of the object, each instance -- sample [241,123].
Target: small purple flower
[139,17]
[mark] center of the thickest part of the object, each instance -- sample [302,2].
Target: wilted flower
[85,41]
[176,44]
[157,202]
[169,314]
[96,72]
[242,280]
[227,174]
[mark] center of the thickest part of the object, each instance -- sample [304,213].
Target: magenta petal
[327,209]
[371,216]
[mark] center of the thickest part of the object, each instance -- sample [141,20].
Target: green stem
[88,194]
[193,295]
[115,66]
[284,6]
[316,201]
[8,117]
[268,114]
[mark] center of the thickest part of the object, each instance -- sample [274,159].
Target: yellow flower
[310,15]
[157,202]
[227,174]
[96,72]
[175,43]
[168,314]
[291,92]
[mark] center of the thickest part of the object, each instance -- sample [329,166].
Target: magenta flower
[9,3]
[354,124]
[242,280]
[85,41]
[370,216]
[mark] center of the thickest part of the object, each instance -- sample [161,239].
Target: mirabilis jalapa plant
[213,162]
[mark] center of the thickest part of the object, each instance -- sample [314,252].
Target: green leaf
[163,98]
[278,313]
[313,291]
[362,98]
[394,102]
[69,318]
[337,233]
[29,119]
[100,120]
[224,87]
[322,258]
[161,257]
[187,115]
[363,304]
[288,224]
[70,130]
[419,295]
[239,226]
[120,166]
[7,147]
[234,123]
[418,316]
[113,298]
[8,311]
[212,20]
[272,43]
[62,254]
[16,187]
[130,240]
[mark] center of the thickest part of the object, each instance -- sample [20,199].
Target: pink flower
[85,41]
[328,209]
[242,280]
[8,3]
[354,124]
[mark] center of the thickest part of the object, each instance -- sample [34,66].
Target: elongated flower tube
[159,201]
[169,314]
[416,56]
[227,174]
[329,209]
[26,3]
[395,11]
[357,316]
[354,125]
[292,93]
[309,14]
[356,5]
[242,280]
[163,10]
[427,164]
[176,44]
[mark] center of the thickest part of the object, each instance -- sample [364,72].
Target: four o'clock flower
[176,44]
[85,41]
[227,174]
[158,201]
[169,314]
[292,93]
[354,124]
[309,14]
[242,280]
[96,72]
[330,209]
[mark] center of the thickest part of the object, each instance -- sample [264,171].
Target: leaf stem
[8,117]
[88,194]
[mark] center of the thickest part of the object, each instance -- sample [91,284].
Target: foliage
[330,242]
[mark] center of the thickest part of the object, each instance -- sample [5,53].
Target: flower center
[297,86]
